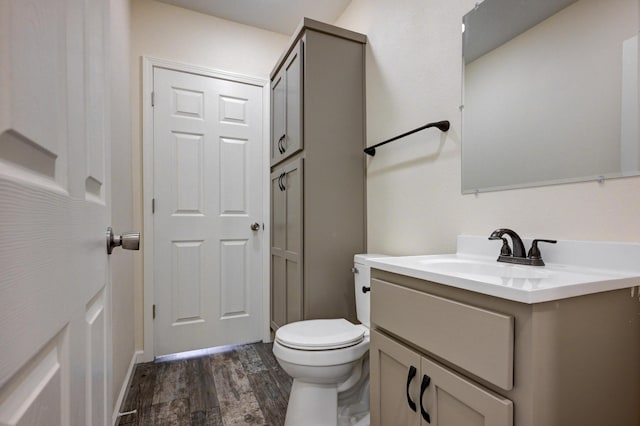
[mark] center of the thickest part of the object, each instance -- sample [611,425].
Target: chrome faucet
[534,256]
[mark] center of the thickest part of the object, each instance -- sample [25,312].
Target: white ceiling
[282,16]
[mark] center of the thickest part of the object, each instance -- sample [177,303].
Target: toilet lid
[316,335]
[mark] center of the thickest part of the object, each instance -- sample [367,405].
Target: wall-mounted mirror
[550,92]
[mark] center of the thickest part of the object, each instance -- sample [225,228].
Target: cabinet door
[395,373]
[287,107]
[448,399]
[293,74]
[278,116]
[286,244]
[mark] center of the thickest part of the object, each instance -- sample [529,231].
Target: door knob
[255,226]
[128,241]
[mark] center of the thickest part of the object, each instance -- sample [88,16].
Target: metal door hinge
[153,99]
[154,311]
[153,205]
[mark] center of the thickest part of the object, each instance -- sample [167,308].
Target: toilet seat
[320,335]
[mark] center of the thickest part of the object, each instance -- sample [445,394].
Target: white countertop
[599,267]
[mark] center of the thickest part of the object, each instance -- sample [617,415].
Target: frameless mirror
[550,93]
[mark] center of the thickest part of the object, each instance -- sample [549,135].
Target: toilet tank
[362,277]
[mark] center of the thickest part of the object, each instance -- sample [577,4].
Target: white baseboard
[125,386]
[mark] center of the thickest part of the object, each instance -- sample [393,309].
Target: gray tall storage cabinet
[317,173]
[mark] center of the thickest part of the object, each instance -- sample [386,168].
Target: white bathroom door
[208,211]
[54,211]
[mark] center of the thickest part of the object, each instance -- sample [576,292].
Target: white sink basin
[521,283]
[473,267]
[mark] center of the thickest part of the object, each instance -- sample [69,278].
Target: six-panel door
[207,166]
[55,203]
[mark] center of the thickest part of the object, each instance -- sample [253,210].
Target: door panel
[54,205]
[287,107]
[391,364]
[286,244]
[452,400]
[207,165]
[293,141]
[278,111]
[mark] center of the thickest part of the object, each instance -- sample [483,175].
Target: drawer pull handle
[412,373]
[365,289]
[426,380]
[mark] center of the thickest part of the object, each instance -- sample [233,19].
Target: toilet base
[344,404]
[312,404]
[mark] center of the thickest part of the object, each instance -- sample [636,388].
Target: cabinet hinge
[154,311]
[153,205]
[153,99]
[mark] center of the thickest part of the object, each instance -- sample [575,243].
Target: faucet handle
[505,250]
[534,251]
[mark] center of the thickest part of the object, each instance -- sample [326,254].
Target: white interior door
[207,191]
[54,210]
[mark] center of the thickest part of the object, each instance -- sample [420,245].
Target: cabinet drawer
[475,339]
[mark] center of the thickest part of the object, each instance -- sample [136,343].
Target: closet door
[286,244]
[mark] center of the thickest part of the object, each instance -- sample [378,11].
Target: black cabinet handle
[412,373]
[280,182]
[426,380]
[280,148]
[280,145]
[366,289]
[284,139]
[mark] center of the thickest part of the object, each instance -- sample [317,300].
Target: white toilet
[329,362]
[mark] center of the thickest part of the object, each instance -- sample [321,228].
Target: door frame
[148,64]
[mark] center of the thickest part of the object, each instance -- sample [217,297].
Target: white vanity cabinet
[489,361]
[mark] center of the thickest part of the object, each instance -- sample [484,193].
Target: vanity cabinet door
[286,244]
[395,375]
[287,107]
[449,399]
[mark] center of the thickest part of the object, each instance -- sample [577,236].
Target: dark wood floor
[238,386]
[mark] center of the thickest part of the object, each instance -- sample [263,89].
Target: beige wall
[163,31]
[414,200]
[122,309]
